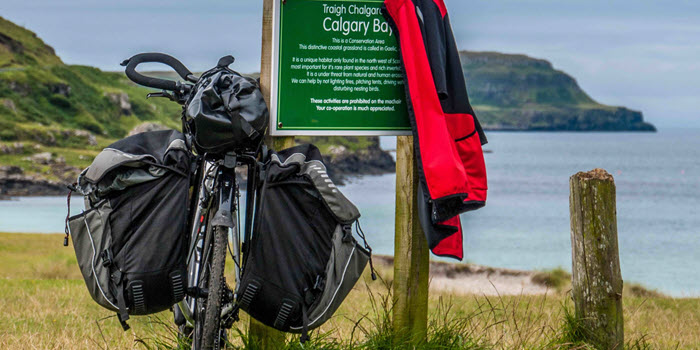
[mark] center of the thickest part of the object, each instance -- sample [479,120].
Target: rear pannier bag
[130,241]
[303,259]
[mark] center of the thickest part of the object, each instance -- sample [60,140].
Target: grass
[46,306]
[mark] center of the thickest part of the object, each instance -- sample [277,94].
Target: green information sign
[336,70]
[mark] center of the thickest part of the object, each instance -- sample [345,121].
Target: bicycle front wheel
[212,330]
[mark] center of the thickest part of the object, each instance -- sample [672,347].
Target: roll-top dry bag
[226,112]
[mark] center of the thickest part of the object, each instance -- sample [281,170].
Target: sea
[525,224]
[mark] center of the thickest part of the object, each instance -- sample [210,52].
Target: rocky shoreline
[342,164]
[16,182]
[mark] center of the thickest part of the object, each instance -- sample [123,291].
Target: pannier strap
[361,233]
[169,168]
[305,325]
[71,189]
[123,314]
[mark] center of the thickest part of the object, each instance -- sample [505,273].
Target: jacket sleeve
[433,27]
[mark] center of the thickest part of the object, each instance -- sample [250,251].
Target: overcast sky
[640,54]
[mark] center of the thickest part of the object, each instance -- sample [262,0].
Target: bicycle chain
[226,323]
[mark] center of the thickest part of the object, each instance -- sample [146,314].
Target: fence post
[596,278]
[261,336]
[411,259]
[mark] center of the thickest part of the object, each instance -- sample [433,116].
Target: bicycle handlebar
[157,83]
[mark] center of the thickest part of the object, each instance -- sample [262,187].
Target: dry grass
[46,306]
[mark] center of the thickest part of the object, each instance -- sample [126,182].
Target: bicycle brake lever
[161,94]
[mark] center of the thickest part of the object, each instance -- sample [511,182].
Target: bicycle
[208,308]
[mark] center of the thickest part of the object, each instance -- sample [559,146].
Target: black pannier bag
[131,241]
[303,259]
[227,111]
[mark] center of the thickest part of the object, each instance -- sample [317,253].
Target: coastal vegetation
[46,306]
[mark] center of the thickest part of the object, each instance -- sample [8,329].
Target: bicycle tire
[211,331]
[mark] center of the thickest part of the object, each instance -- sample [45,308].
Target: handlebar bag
[303,259]
[131,241]
[226,112]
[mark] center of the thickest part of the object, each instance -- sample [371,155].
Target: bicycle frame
[198,229]
[213,210]
[216,202]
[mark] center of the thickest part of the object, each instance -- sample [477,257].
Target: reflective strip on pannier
[86,247]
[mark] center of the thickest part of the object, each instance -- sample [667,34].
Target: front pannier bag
[303,259]
[130,241]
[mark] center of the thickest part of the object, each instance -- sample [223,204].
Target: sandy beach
[464,279]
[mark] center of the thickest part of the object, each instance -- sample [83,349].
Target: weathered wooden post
[411,259]
[261,336]
[596,278]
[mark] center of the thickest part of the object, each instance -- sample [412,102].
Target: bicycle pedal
[229,319]
[228,296]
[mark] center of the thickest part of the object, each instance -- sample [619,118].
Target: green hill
[517,92]
[54,117]
[41,98]
[20,47]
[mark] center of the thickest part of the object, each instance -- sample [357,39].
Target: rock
[19,88]
[337,150]
[44,158]
[66,173]
[146,127]
[14,182]
[11,44]
[9,170]
[60,89]
[15,148]
[120,99]
[89,138]
[45,138]
[9,104]
[28,186]
[343,163]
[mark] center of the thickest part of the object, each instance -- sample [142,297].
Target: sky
[644,55]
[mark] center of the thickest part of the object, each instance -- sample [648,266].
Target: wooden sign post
[411,256]
[385,115]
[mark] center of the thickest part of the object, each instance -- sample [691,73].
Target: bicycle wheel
[211,330]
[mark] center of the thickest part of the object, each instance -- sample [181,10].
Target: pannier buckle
[320,283]
[106,258]
[347,233]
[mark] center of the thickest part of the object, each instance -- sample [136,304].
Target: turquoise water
[525,223]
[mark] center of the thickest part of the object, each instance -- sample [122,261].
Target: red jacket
[447,135]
